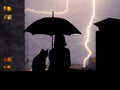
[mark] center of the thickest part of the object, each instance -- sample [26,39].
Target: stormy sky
[78,14]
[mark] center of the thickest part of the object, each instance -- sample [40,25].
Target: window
[7,59]
[7,8]
[7,17]
[7,67]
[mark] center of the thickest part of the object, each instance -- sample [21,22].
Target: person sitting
[59,56]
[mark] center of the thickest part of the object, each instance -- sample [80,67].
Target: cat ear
[47,50]
[42,49]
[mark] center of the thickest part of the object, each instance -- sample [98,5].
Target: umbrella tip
[52,14]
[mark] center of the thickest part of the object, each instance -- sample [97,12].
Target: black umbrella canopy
[52,26]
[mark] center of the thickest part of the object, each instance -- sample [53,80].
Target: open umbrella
[52,26]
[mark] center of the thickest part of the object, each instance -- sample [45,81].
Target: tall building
[12,57]
[107,41]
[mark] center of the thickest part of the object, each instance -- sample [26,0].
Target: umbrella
[52,26]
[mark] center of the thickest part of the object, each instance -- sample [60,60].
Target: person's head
[59,41]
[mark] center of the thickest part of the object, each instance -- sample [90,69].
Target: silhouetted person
[59,56]
[39,61]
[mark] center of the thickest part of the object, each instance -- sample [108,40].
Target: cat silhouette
[39,62]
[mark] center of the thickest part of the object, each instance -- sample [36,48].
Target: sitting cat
[38,63]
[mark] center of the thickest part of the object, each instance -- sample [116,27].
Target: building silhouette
[12,57]
[107,41]
[91,63]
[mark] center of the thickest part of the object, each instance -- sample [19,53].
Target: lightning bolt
[88,33]
[88,28]
[48,12]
